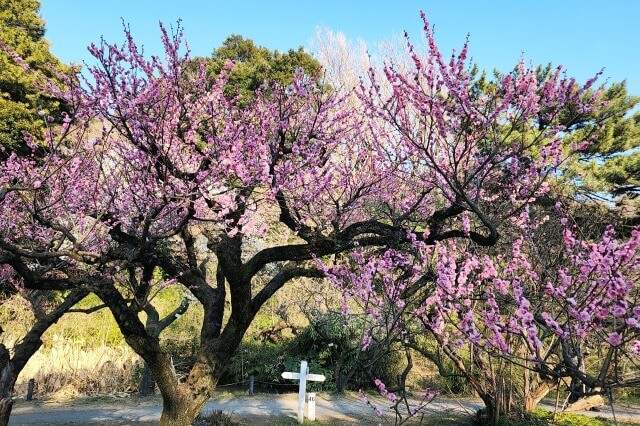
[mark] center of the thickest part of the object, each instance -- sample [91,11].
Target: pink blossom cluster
[416,202]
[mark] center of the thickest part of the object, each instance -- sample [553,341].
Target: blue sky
[583,35]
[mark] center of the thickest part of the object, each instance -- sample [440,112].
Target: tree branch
[32,341]
[279,280]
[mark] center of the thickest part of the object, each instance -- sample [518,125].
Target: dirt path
[146,411]
[257,410]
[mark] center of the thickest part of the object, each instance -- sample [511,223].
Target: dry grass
[85,355]
[68,369]
[81,355]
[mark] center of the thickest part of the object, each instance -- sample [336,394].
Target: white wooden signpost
[303,376]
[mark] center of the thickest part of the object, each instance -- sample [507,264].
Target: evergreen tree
[612,162]
[609,167]
[256,64]
[22,103]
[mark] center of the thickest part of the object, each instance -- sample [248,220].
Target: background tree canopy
[22,30]
[256,64]
[611,164]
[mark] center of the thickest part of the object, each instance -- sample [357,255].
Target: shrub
[215,418]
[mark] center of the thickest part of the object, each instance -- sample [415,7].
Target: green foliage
[22,30]
[611,164]
[333,344]
[540,417]
[454,383]
[89,330]
[263,361]
[629,395]
[292,363]
[255,65]
[182,337]
[609,168]
[614,130]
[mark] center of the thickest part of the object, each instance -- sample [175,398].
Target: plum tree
[159,168]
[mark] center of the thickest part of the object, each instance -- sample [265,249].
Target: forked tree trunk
[155,326]
[179,410]
[183,402]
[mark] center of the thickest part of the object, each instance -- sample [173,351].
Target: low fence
[251,385]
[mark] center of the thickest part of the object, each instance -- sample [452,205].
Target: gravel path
[146,411]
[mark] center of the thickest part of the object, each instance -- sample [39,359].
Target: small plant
[540,417]
[215,418]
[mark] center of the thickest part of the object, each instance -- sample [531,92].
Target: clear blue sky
[583,35]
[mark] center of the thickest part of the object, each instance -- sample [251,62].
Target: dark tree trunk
[6,404]
[341,383]
[341,380]
[147,383]
[182,402]
[7,382]
[344,371]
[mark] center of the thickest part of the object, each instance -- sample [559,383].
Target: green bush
[264,361]
[540,417]
[332,345]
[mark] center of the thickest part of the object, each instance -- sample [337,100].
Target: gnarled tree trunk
[182,403]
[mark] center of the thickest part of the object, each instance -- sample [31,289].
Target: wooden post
[251,385]
[302,389]
[30,387]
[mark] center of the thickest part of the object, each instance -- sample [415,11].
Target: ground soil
[257,410]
